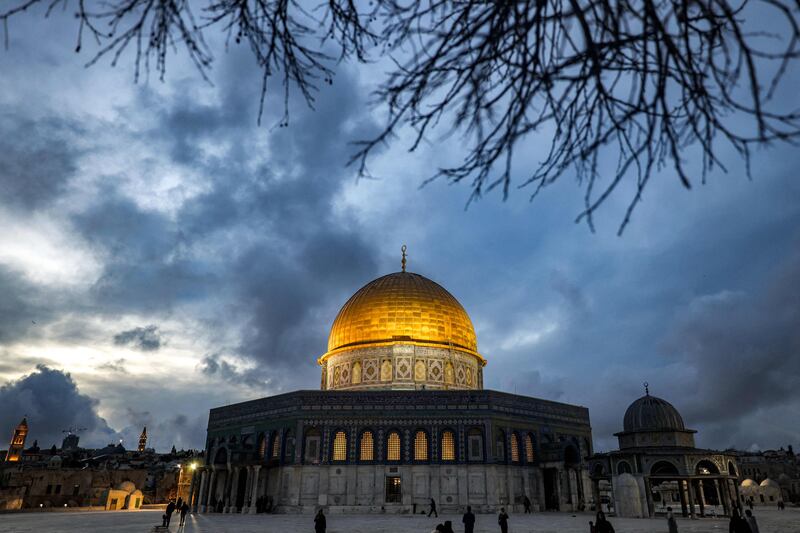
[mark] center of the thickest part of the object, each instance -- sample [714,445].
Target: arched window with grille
[448,451]
[288,446]
[312,446]
[262,446]
[276,446]
[500,446]
[514,448]
[393,446]
[367,447]
[475,444]
[529,455]
[420,446]
[340,446]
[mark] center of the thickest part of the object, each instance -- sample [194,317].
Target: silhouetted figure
[468,520]
[438,529]
[319,522]
[672,524]
[179,503]
[184,510]
[164,520]
[170,510]
[750,504]
[738,524]
[592,529]
[527,503]
[502,520]
[448,527]
[751,521]
[433,509]
[602,524]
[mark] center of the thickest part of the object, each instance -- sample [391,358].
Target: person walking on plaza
[184,509]
[738,524]
[468,520]
[502,520]
[433,509]
[170,510]
[319,522]
[527,503]
[601,524]
[751,521]
[672,524]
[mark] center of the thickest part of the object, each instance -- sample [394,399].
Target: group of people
[180,506]
[469,519]
[738,523]
[321,523]
[743,524]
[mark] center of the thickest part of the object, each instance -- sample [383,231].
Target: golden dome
[402,308]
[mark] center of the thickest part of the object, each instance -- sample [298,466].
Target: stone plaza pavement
[770,521]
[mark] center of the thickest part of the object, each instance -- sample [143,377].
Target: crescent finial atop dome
[403,260]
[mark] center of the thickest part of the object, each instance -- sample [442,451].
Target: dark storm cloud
[37,157]
[146,339]
[52,402]
[742,348]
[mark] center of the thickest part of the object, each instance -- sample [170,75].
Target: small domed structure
[127,486]
[653,422]
[770,483]
[749,483]
[649,413]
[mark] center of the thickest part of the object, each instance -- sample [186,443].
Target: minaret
[17,441]
[143,439]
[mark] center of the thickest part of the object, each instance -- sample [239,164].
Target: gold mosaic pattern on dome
[402,306]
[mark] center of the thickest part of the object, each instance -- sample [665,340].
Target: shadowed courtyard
[770,521]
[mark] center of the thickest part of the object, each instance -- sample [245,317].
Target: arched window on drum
[529,452]
[514,448]
[366,447]
[420,446]
[448,450]
[393,446]
[339,446]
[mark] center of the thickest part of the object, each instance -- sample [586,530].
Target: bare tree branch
[644,81]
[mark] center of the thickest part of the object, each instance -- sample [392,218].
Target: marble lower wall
[363,488]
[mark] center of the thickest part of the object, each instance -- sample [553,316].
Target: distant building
[657,465]
[761,472]
[110,478]
[70,443]
[143,440]
[17,444]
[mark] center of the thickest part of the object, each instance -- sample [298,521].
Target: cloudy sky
[162,254]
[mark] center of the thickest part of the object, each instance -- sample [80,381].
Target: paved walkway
[770,521]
